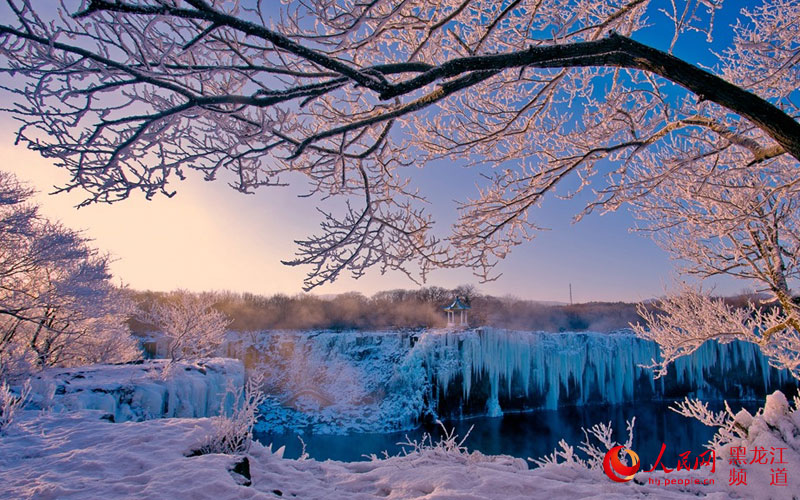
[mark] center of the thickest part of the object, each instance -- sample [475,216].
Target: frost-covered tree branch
[233,427]
[598,440]
[725,421]
[11,404]
[685,321]
[129,96]
[743,223]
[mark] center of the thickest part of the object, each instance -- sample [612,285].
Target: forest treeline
[420,308]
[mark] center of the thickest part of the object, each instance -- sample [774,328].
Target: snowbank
[767,453]
[140,391]
[79,455]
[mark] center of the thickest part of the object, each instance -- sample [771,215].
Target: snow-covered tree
[57,304]
[741,222]
[194,329]
[129,95]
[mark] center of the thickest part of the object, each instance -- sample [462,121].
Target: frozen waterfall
[388,380]
[544,370]
[140,391]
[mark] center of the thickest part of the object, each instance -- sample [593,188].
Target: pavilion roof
[457,305]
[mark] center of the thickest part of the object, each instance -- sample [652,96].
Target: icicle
[604,364]
[493,404]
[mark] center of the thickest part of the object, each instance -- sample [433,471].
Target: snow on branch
[11,404]
[598,440]
[58,306]
[683,322]
[233,428]
[131,96]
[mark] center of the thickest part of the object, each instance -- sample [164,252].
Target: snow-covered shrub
[448,444]
[47,396]
[775,423]
[303,453]
[449,448]
[597,441]
[337,382]
[13,361]
[233,428]
[758,446]
[743,429]
[724,420]
[11,404]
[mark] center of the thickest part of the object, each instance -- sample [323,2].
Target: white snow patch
[772,436]
[78,455]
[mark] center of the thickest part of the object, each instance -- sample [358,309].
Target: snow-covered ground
[79,455]
[71,452]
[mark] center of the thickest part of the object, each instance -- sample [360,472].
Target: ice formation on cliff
[388,380]
[139,391]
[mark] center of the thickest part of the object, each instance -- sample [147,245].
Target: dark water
[531,434]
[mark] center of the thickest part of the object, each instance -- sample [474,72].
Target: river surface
[530,434]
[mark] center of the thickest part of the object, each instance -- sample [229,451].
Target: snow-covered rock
[767,456]
[140,391]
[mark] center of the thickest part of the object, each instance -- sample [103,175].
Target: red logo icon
[615,469]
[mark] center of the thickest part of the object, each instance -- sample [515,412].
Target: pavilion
[458,306]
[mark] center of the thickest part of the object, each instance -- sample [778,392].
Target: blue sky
[211,237]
